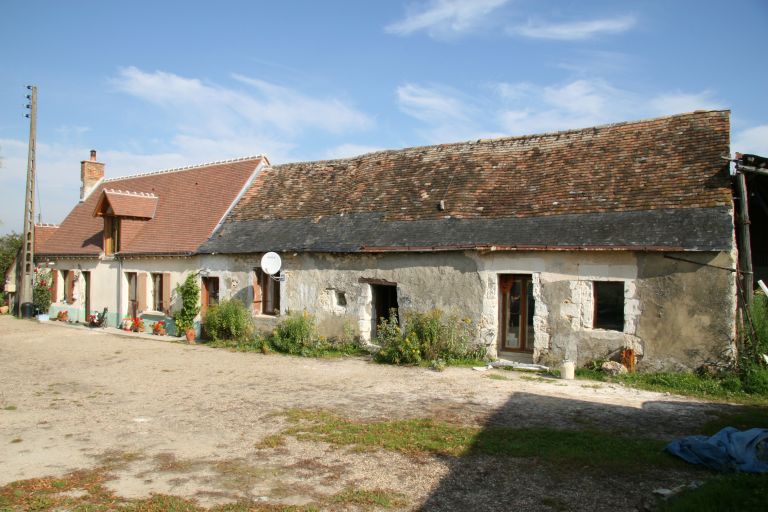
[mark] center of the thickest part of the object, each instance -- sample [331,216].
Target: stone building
[573,244]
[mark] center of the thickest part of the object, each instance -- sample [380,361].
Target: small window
[609,305]
[111,235]
[341,299]
[267,292]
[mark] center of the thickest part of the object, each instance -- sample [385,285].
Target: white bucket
[568,370]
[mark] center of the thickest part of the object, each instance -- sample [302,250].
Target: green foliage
[757,342]
[430,336]
[297,335]
[189,292]
[229,320]
[9,247]
[41,291]
[579,449]
[741,492]
[750,385]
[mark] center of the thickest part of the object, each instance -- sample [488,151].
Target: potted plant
[137,324]
[158,328]
[189,292]
[125,324]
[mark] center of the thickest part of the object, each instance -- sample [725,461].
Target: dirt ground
[187,421]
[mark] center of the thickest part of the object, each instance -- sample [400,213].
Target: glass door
[516,307]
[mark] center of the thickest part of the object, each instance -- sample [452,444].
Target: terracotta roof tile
[124,203]
[190,203]
[670,162]
[388,198]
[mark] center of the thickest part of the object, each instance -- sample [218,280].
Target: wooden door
[516,307]
[87,280]
[133,294]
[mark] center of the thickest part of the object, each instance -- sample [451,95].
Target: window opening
[111,235]
[609,305]
[267,290]
[158,303]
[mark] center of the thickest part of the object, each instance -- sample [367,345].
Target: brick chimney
[91,173]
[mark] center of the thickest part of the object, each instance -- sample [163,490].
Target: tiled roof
[391,198]
[190,203]
[42,233]
[124,203]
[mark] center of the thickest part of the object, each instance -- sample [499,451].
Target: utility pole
[26,309]
[745,251]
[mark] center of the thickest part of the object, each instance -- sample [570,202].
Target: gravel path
[191,417]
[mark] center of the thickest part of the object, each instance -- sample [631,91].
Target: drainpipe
[119,290]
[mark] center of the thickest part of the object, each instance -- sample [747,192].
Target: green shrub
[41,291]
[757,340]
[429,336]
[229,320]
[297,335]
[754,379]
[189,292]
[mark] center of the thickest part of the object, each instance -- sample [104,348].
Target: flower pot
[190,334]
[159,332]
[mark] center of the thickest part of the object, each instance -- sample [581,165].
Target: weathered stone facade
[677,314]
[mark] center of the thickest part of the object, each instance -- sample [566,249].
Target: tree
[9,247]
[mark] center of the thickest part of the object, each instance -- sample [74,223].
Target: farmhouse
[575,244]
[129,241]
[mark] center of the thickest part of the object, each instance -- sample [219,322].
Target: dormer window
[115,205]
[111,235]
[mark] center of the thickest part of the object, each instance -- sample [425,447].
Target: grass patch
[16,440]
[592,449]
[9,408]
[52,494]
[496,376]
[742,418]
[369,498]
[271,441]
[725,388]
[740,492]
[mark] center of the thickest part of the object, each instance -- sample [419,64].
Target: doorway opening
[516,307]
[384,304]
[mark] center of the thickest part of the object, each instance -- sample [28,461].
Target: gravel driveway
[188,419]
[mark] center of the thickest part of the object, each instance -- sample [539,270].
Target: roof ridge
[187,167]
[46,225]
[503,139]
[130,193]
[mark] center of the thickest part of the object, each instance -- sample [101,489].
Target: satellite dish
[270,263]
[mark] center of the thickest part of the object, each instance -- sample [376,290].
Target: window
[266,293]
[210,293]
[609,305]
[68,276]
[161,292]
[111,235]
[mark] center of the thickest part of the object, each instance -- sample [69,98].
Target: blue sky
[155,85]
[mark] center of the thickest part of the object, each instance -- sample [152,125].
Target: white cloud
[575,30]
[350,150]
[227,111]
[445,18]
[677,102]
[524,108]
[752,140]
[448,114]
[431,104]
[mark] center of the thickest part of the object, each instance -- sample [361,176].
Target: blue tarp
[728,450]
